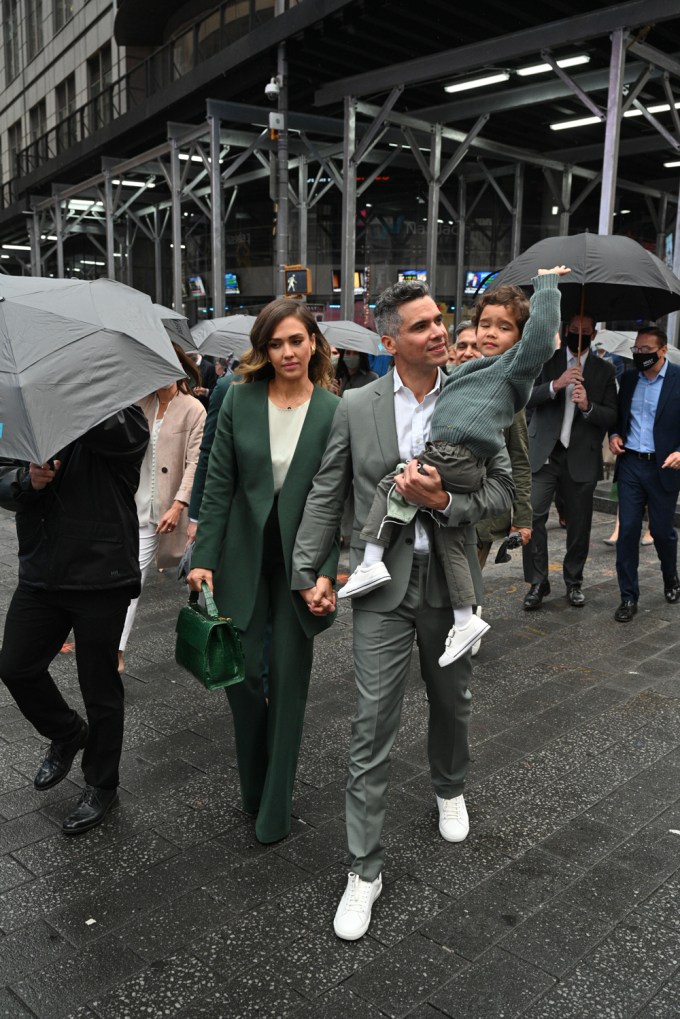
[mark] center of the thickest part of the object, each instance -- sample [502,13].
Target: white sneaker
[454,823]
[460,639]
[354,912]
[478,643]
[365,579]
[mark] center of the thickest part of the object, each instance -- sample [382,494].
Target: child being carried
[477,401]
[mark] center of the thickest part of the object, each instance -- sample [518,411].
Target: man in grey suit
[374,429]
[571,408]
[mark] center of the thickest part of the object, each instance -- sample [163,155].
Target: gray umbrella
[71,354]
[223,337]
[346,335]
[176,326]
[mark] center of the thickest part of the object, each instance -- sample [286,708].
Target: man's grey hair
[461,327]
[387,317]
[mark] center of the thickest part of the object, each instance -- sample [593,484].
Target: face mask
[572,341]
[334,360]
[351,361]
[644,361]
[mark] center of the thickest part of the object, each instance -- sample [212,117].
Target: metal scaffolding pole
[517,209]
[303,208]
[661,229]
[176,206]
[58,229]
[110,240]
[216,234]
[349,200]
[34,238]
[282,201]
[674,317]
[433,191]
[565,211]
[610,158]
[460,255]
[158,276]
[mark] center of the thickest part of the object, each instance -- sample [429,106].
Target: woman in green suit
[270,438]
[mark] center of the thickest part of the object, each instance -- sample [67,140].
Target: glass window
[99,88]
[10,17]
[183,54]
[14,142]
[66,103]
[208,36]
[34,27]
[37,118]
[63,11]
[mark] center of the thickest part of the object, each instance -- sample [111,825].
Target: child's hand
[559,270]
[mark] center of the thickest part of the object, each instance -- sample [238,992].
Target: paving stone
[23,831]
[456,869]
[610,890]
[74,980]
[246,885]
[166,988]
[313,902]
[663,906]
[29,949]
[398,980]
[650,851]
[556,936]
[499,985]
[11,1007]
[200,825]
[583,841]
[316,849]
[404,906]
[165,931]
[665,1004]
[257,994]
[246,940]
[316,961]
[11,874]
[340,1003]
[638,946]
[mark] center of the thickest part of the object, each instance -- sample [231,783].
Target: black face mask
[572,341]
[645,361]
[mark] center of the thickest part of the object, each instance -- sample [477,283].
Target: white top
[146,497]
[413,422]
[284,431]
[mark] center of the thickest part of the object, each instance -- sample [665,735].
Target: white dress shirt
[413,422]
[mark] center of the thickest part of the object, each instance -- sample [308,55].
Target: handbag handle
[211,607]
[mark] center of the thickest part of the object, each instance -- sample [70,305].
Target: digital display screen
[478,281]
[412,276]
[359,282]
[196,286]
[231,283]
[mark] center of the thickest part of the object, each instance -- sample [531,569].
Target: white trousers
[148,546]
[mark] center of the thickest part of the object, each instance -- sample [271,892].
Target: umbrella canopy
[621,279]
[615,342]
[72,353]
[350,336]
[223,337]
[176,326]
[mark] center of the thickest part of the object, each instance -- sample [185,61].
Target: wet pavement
[563,902]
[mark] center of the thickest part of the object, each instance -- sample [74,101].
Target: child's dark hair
[510,297]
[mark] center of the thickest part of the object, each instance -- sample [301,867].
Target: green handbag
[207,643]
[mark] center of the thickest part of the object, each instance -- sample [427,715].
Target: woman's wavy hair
[193,375]
[255,364]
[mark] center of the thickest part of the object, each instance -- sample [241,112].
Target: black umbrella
[610,278]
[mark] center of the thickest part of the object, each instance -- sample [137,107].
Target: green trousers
[268,734]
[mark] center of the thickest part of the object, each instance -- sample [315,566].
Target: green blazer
[362,448]
[239,495]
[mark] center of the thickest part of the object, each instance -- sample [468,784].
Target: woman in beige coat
[176,420]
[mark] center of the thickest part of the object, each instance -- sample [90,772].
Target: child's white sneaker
[461,638]
[365,579]
[478,643]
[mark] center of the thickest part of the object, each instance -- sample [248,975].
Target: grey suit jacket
[362,448]
[584,455]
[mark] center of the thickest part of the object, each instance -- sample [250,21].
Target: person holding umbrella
[270,438]
[78,569]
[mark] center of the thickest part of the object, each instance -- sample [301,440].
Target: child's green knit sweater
[481,397]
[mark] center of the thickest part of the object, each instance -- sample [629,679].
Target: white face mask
[334,360]
[351,361]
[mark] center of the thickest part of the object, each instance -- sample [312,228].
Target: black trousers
[36,627]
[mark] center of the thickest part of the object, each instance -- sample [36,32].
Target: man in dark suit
[647,444]
[573,405]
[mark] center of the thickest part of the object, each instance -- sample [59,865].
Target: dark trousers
[37,624]
[268,730]
[578,507]
[639,486]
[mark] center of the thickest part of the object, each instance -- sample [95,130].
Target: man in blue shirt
[647,444]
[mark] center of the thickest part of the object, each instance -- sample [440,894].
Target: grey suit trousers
[383,645]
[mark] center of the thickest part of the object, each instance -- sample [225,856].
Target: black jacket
[81,531]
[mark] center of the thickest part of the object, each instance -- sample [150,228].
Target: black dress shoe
[59,759]
[92,808]
[535,595]
[625,611]
[671,589]
[576,596]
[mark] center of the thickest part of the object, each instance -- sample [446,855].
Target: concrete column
[216,235]
[610,158]
[349,201]
[460,257]
[433,192]
[176,207]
